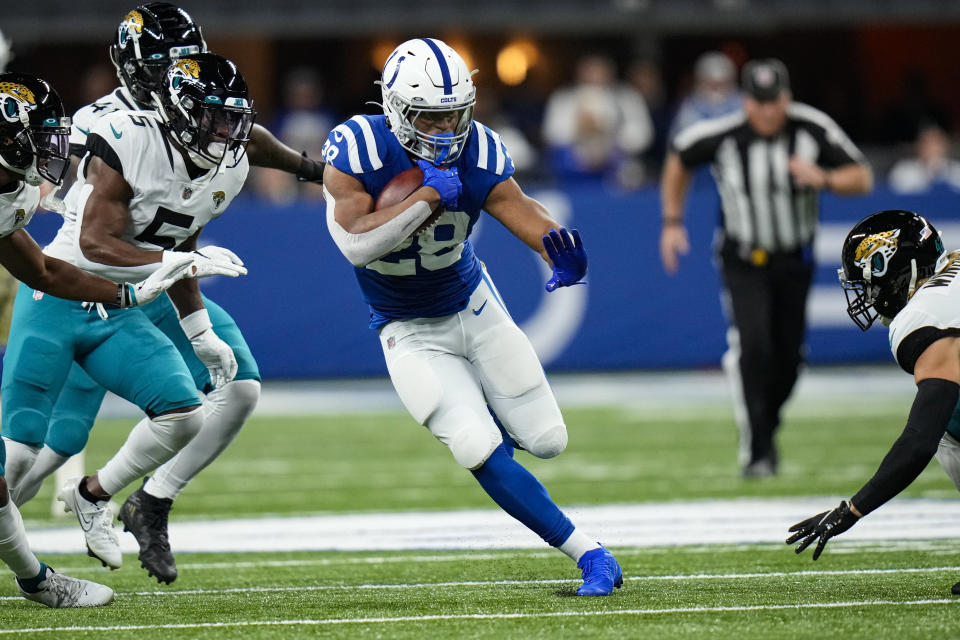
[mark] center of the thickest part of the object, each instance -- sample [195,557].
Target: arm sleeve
[363,248]
[932,409]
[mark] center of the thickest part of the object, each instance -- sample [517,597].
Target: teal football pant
[76,408]
[125,354]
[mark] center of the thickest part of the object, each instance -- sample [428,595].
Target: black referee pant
[766,308]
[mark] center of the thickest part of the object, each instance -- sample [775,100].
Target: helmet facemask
[427,88]
[886,256]
[213,133]
[149,39]
[207,112]
[35,134]
[438,148]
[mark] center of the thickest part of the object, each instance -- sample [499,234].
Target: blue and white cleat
[601,573]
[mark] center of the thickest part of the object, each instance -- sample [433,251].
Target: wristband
[126,296]
[196,323]
[310,170]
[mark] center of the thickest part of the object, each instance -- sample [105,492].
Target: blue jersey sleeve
[485,163]
[353,147]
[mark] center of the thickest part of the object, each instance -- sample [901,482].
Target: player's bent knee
[240,395]
[244,393]
[417,385]
[550,443]
[948,455]
[536,423]
[471,438]
[471,447]
[68,437]
[26,426]
[175,430]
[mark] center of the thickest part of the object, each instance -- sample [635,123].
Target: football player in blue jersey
[450,345]
[147,40]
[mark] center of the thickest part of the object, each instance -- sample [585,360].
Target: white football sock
[46,463]
[149,445]
[20,458]
[578,544]
[14,548]
[225,410]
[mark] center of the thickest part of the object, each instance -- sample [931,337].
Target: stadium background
[332,515]
[300,307]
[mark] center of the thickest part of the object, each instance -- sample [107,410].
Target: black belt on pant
[734,250]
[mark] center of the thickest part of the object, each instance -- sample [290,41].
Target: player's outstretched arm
[264,150]
[522,215]
[937,373]
[24,259]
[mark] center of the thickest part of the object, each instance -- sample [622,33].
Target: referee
[770,160]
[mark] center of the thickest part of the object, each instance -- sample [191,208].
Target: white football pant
[447,370]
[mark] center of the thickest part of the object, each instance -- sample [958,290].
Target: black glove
[310,170]
[822,526]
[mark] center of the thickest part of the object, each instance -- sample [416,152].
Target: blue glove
[445,181]
[568,257]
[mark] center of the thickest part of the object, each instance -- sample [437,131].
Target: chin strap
[913,278]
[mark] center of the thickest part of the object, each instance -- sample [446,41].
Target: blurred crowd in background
[580,109]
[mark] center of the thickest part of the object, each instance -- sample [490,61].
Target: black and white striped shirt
[762,207]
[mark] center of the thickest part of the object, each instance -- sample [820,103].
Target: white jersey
[932,313]
[17,207]
[167,206]
[83,122]
[86,117]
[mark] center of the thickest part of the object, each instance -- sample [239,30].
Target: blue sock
[32,585]
[523,497]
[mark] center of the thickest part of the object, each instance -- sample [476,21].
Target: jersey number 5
[167,216]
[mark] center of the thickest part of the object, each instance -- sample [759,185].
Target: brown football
[399,189]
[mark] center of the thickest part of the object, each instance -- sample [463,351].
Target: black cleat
[146,518]
[955,590]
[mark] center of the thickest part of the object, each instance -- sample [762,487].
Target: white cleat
[96,521]
[63,592]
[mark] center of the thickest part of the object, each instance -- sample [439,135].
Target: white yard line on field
[490,616]
[494,583]
[694,522]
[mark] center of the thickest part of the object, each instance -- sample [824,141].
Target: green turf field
[384,462]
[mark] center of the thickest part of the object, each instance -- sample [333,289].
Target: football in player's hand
[399,189]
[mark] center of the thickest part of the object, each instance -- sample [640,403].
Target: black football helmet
[151,37]
[34,132]
[206,106]
[883,258]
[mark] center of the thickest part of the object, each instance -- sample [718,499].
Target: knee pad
[239,395]
[948,455]
[175,430]
[537,424]
[550,443]
[417,385]
[473,438]
[26,425]
[68,435]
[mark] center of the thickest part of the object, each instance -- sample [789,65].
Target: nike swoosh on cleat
[116,134]
[477,312]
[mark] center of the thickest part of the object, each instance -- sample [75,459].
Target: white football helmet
[426,76]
